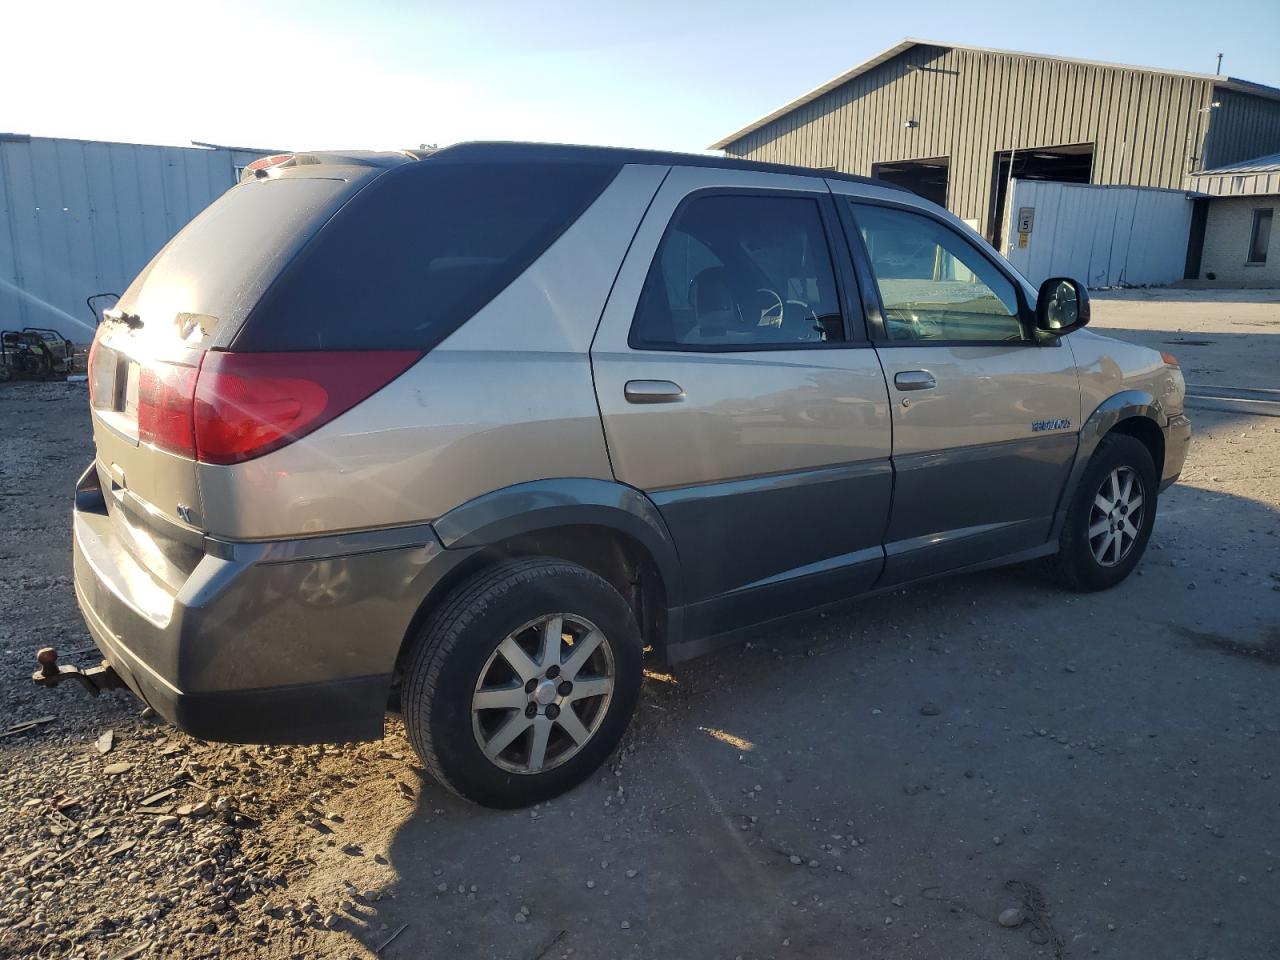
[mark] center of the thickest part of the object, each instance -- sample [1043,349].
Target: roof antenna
[1218,72]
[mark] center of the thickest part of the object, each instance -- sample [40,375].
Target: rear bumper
[281,642]
[1177,441]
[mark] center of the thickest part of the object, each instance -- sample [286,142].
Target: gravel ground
[983,767]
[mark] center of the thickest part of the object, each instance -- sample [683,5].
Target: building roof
[1233,83]
[266,152]
[1268,164]
[1259,177]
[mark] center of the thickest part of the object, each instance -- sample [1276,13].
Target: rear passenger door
[983,410]
[738,390]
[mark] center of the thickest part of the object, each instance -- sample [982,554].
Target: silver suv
[463,435]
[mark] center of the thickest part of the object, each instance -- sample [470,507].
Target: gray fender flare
[575,501]
[1124,405]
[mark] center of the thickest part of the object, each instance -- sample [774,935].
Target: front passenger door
[984,415]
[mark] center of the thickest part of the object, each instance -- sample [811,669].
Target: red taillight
[263,162]
[248,404]
[237,406]
[1169,359]
[260,166]
[166,394]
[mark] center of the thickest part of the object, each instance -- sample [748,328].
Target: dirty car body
[731,392]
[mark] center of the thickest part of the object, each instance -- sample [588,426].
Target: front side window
[933,283]
[1260,236]
[740,272]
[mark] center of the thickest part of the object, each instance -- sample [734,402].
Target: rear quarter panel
[507,398]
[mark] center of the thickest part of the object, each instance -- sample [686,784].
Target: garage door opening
[926,178]
[1069,164]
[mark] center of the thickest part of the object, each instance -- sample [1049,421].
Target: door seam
[591,347]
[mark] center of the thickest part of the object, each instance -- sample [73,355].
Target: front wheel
[523,682]
[1110,516]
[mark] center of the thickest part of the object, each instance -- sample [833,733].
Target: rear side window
[418,252]
[741,272]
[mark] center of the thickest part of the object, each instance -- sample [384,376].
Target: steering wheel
[809,320]
[766,320]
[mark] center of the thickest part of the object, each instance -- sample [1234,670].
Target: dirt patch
[1265,649]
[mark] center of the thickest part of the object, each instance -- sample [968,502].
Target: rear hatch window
[198,290]
[418,252]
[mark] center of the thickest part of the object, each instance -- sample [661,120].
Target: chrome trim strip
[325,547]
[770,481]
[867,555]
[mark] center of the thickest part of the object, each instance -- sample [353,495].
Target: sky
[668,74]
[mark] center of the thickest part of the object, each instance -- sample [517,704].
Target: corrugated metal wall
[972,104]
[1104,236]
[80,217]
[1242,184]
[1241,127]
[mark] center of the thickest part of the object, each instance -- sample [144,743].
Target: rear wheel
[1110,516]
[522,682]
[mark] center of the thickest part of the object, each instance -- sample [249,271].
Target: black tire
[1075,565]
[456,644]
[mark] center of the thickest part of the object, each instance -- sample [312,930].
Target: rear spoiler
[268,166]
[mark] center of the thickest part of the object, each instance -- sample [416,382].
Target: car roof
[514,152]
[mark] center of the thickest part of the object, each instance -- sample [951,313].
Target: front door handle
[653,391]
[914,380]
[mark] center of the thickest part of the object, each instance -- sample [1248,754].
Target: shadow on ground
[885,781]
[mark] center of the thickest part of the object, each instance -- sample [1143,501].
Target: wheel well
[1145,430]
[621,560]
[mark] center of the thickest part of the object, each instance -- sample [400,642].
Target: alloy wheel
[543,693]
[1116,516]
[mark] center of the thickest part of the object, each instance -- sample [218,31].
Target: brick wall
[1226,242]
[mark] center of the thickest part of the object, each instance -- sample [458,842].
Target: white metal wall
[79,217]
[1104,236]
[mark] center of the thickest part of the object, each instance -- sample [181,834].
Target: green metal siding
[1243,127]
[972,104]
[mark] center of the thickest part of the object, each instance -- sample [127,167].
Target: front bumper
[1177,441]
[279,642]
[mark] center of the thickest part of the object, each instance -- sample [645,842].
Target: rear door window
[418,252]
[741,272]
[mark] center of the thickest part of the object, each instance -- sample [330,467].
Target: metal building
[80,217]
[956,123]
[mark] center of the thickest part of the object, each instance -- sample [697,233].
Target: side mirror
[1062,306]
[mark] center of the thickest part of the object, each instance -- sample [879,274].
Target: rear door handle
[914,380]
[653,391]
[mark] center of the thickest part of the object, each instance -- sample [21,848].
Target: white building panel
[1103,236]
[80,217]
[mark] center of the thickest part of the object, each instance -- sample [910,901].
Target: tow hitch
[94,679]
